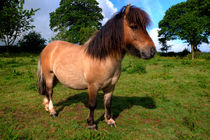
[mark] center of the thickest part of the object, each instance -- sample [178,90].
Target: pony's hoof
[111,123]
[92,127]
[54,115]
[47,109]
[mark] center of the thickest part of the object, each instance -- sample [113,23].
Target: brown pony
[96,65]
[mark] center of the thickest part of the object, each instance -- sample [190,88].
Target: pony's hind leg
[48,103]
[107,104]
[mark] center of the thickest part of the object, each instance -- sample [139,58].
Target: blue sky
[155,8]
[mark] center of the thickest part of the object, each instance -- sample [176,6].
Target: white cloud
[42,18]
[154,35]
[108,9]
[205,47]
[177,45]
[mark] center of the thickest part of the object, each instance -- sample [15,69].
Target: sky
[155,8]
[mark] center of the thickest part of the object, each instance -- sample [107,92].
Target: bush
[134,67]
[32,42]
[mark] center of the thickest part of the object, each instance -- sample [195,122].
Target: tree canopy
[189,21]
[32,42]
[14,20]
[76,20]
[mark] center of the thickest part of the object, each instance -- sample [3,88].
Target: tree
[76,20]
[14,20]
[164,47]
[187,21]
[32,42]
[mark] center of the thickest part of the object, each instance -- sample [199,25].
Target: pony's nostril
[152,51]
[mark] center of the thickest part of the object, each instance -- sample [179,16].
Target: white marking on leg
[46,103]
[51,107]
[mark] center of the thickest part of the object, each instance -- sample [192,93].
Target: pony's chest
[104,79]
[112,80]
[103,74]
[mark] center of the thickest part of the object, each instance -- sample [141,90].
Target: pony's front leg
[92,92]
[107,104]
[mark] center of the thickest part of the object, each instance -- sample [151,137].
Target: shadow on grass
[119,103]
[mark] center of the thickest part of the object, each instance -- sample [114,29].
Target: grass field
[161,98]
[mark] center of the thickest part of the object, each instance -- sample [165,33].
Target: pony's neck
[119,55]
[108,41]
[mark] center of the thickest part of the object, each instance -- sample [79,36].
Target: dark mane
[110,39]
[139,17]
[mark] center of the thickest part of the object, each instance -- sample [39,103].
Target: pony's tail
[41,80]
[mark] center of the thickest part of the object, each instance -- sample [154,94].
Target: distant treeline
[31,42]
[185,53]
[18,49]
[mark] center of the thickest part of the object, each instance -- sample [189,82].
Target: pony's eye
[134,27]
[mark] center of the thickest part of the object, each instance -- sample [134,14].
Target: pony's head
[137,40]
[125,32]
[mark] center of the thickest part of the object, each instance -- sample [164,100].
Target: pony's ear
[127,9]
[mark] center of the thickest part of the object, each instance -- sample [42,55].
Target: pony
[95,65]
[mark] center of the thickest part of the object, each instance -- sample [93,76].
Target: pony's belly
[72,82]
[77,86]
[71,79]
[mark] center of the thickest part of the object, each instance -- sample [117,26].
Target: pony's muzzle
[148,54]
[152,51]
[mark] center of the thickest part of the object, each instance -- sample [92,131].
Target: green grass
[161,98]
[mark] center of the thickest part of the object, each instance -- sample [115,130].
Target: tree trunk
[193,53]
